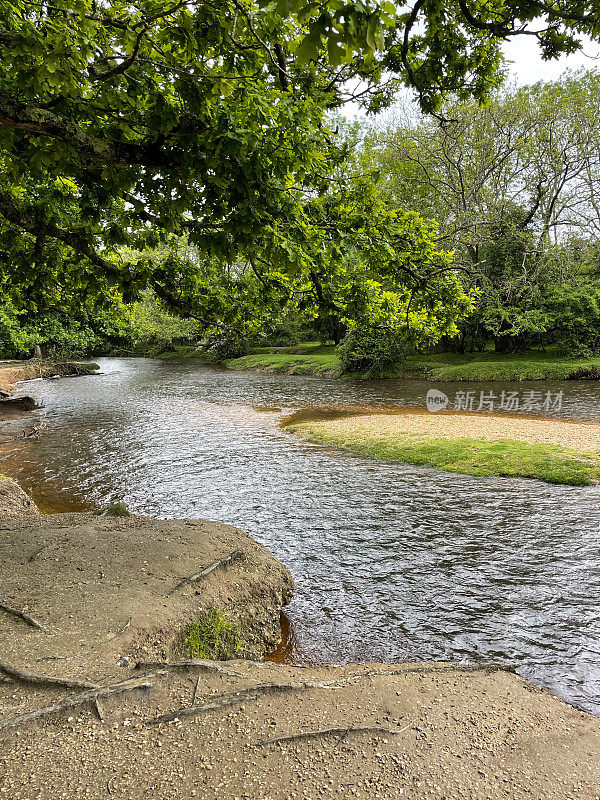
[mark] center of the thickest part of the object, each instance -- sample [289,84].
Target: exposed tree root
[203,573]
[240,696]
[342,732]
[22,676]
[25,617]
[99,709]
[485,667]
[211,666]
[197,689]
[194,711]
[73,701]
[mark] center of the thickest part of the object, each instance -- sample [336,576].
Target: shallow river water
[391,562]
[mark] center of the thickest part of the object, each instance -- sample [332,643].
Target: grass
[310,358]
[478,457]
[211,636]
[114,510]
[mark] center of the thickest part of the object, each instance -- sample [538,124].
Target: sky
[528,67]
[525,67]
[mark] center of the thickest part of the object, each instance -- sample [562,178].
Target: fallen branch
[25,617]
[44,680]
[342,732]
[75,700]
[203,573]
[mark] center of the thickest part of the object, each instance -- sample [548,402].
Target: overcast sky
[528,67]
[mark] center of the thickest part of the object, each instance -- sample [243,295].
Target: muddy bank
[87,578]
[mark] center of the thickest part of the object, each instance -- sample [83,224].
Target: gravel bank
[102,589]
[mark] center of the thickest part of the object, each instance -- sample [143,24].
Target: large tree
[128,124]
[513,185]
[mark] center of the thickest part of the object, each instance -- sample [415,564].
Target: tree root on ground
[22,676]
[213,666]
[90,696]
[203,573]
[25,617]
[342,732]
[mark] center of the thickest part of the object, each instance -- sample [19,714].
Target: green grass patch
[211,636]
[113,510]
[311,358]
[479,457]
[315,363]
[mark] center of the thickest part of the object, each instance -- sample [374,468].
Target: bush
[372,349]
[222,346]
[576,311]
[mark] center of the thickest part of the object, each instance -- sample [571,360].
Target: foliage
[211,636]
[575,314]
[207,122]
[371,349]
[151,325]
[469,456]
[220,347]
[60,335]
[511,185]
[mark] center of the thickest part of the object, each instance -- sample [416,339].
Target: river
[391,562]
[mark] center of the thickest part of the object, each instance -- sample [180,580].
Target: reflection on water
[391,562]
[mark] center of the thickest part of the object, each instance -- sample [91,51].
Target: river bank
[322,361]
[114,713]
[13,372]
[556,451]
[18,420]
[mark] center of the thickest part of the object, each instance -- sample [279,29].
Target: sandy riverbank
[12,372]
[577,435]
[102,589]
[483,445]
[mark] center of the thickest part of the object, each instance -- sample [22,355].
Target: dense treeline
[126,130]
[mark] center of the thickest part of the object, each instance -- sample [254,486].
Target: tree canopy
[128,127]
[513,186]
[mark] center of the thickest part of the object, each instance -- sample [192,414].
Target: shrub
[114,510]
[222,346]
[371,349]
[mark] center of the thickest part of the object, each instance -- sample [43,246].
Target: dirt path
[102,590]
[576,435]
